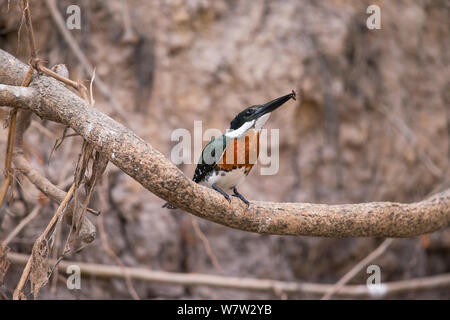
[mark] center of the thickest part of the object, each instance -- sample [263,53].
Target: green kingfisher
[227,160]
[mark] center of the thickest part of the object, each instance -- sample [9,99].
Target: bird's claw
[242,199]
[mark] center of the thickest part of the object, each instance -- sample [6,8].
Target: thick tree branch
[53,101]
[16,96]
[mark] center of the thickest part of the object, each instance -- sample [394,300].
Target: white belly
[227,180]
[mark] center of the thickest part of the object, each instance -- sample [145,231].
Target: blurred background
[371,123]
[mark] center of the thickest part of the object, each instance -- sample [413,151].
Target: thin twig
[9,149]
[206,244]
[13,113]
[21,225]
[263,285]
[129,35]
[18,291]
[357,268]
[104,90]
[55,251]
[51,73]
[30,33]
[112,254]
[39,181]
[4,296]
[58,213]
[409,135]
[105,243]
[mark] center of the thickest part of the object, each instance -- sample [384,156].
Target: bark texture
[51,100]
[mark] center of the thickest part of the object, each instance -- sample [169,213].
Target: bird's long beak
[274,104]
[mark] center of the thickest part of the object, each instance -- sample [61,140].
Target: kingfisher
[226,160]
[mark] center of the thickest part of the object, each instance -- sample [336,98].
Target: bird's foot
[218,189]
[240,196]
[168,205]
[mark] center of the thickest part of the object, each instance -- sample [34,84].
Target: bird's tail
[168,205]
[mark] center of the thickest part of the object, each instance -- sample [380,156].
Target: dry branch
[105,243]
[409,135]
[30,33]
[357,268]
[20,226]
[50,100]
[206,245]
[67,36]
[43,238]
[108,271]
[87,229]
[9,149]
[8,160]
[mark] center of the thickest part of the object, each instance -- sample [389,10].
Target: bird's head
[255,116]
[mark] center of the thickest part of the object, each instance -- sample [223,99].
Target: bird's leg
[240,196]
[218,189]
[169,206]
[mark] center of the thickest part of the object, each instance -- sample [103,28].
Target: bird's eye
[248,112]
